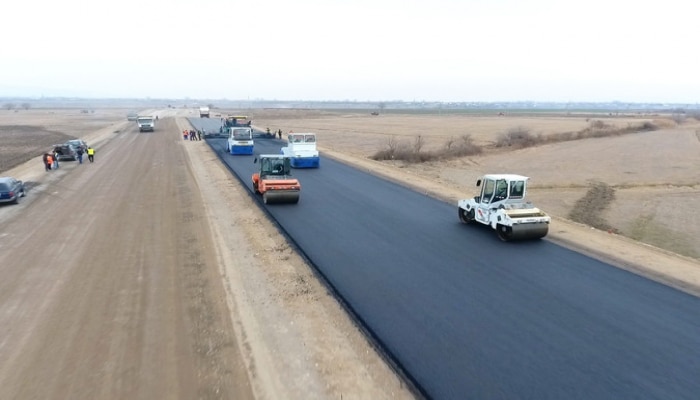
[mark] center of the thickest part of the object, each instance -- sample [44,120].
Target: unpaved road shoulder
[108,288]
[297,341]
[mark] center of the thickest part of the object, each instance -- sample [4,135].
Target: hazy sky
[379,50]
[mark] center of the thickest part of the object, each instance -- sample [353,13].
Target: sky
[364,50]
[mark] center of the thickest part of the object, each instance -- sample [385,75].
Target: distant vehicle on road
[11,190]
[203,112]
[146,123]
[132,116]
[66,152]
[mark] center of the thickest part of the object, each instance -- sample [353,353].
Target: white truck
[203,112]
[146,123]
[502,205]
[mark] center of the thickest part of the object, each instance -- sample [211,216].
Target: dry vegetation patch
[517,138]
[589,208]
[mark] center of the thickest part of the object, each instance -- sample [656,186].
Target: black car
[11,190]
[65,152]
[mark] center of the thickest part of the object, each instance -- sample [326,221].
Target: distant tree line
[11,106]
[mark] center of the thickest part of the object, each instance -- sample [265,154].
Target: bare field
[28,133]
[364,134]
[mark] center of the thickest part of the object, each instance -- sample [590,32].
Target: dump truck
[274,181]
[203,112]
[146,123]
[301,150]
[502,205]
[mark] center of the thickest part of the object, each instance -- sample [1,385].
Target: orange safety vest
[49,159]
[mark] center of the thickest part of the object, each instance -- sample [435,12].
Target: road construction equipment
[274,181]
[240,141]
[502,205]
[301,149]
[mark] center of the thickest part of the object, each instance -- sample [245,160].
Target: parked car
[11,190]
[78,144]
[65,152]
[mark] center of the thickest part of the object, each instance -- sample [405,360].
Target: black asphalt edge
[373,339]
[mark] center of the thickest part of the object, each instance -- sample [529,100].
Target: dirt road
[149,275]
[108,290]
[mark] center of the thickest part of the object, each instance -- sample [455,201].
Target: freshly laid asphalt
[467,316]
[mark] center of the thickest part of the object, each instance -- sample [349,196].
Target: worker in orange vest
[49,161]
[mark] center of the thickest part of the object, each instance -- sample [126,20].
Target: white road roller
[301,150]
[502,205]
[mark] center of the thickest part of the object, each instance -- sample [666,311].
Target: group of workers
[50,159]
[279,133]
[192,134]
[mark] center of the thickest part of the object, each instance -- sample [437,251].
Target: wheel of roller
[505,233]
[466,216]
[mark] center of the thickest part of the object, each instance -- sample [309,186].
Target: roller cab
[502,205]
[274,180]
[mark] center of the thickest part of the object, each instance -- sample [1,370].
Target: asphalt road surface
[106,291]
[467,316]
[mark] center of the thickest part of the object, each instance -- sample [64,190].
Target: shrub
[415,154]
[678,118]
[465,146]
[518,137]
[389,153]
